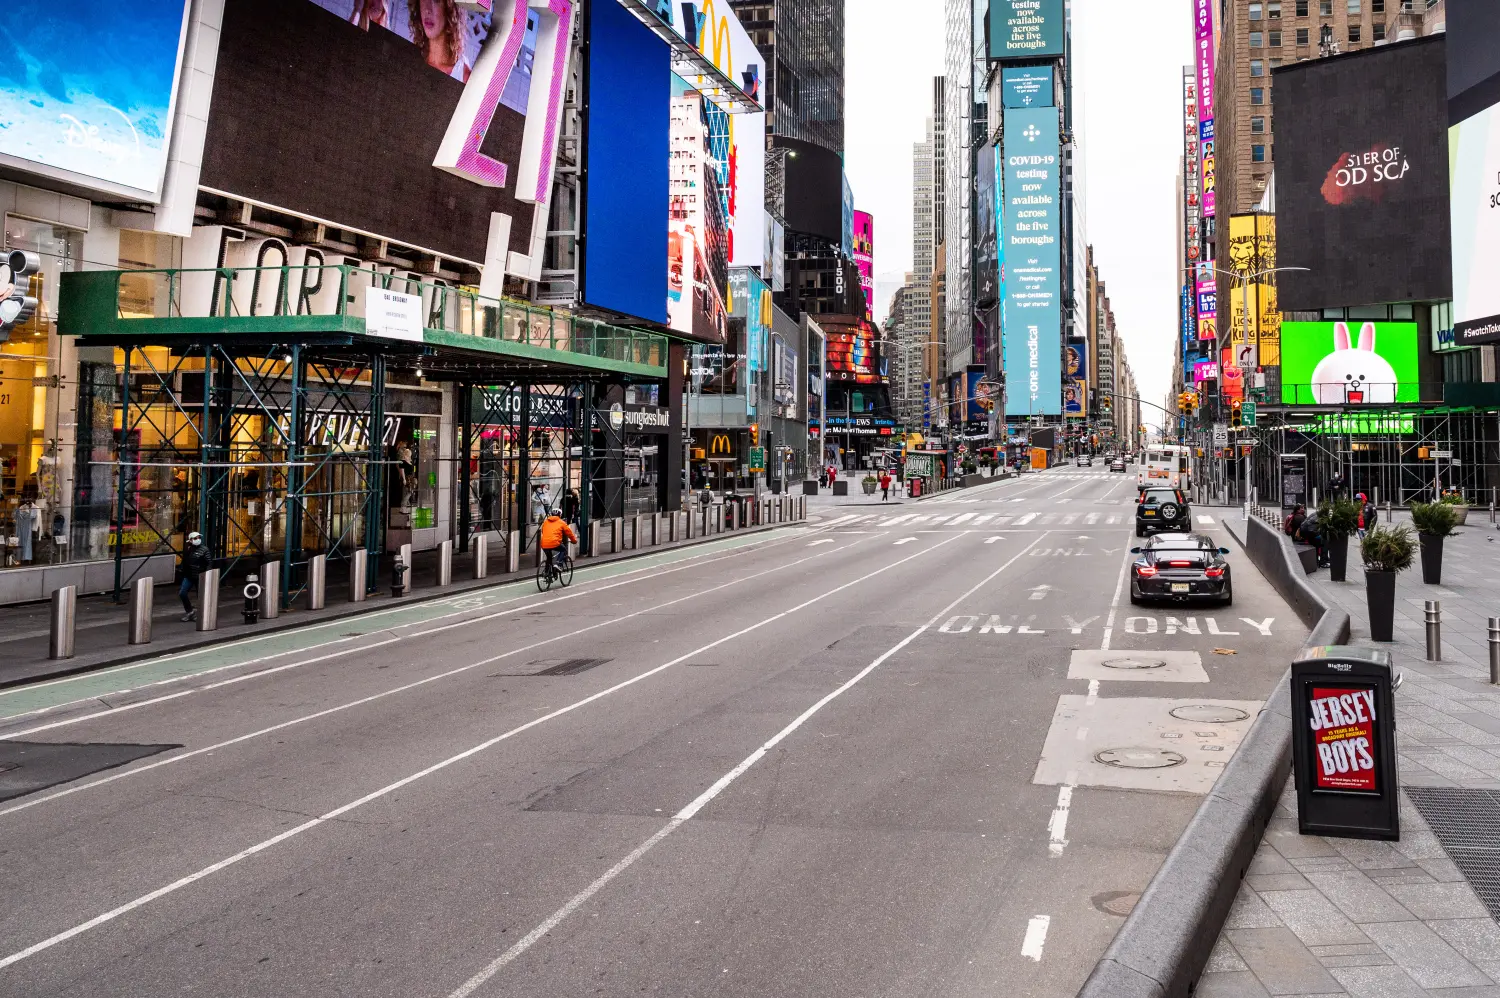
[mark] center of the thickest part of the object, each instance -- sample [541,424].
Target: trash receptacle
[916,488]
[1344,742]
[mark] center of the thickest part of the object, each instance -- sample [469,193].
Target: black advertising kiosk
[1344,743]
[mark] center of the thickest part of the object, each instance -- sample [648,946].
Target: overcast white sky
[1128,80]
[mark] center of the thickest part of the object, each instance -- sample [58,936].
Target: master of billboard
[86,91]
[1362,178]
[1474,155]
[1033,261]
[1026,29]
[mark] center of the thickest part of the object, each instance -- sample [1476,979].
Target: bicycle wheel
[565,573]
[543,575]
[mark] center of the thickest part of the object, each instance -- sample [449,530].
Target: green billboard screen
[1335,363]
[1026,29]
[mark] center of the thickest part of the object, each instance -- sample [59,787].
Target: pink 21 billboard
[864,258]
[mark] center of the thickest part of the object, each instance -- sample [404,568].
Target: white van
[1164,466]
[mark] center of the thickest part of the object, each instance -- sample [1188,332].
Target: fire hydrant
[252,599]
[398,577]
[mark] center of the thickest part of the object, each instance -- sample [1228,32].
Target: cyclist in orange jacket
[554,530]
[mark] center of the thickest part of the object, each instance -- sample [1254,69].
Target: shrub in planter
[1433,521]
[1337,519]
[1386,551]
[1455,499]
[869,482]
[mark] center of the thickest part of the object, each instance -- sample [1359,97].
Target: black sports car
[1181,568]
[1162,509]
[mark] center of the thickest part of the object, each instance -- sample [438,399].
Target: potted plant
[1337,519]
[1455,498]
[1434,521]
[869,482]
[1386,551]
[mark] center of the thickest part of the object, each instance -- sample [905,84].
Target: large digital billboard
[864,258]
[87,89]
[1205,285]
[1252,250]
[1033,262]
[697,258]
[1026,29]
[1027,86]
[1362,178]
[1474,154]
[626,150]
[851,353]
[1336,363]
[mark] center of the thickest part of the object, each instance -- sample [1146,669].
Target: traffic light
[1234,414]
[754,434]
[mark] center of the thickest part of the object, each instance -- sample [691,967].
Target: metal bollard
[358,573]
[635,534]
[208,600]
[513,552]
[270,582]
[687,524]
[1434,614]
[445,563]
[593,530]
[406,559]
[481,556]
[317,582]
[1492,514]
[1495,651]
[140,611]
[64,617]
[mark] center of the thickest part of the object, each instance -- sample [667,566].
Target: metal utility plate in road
[1121,743]
[26,767]
[1137,666]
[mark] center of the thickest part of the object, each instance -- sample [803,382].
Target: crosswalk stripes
[975,520]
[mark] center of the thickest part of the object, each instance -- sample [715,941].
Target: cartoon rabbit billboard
[1326,363]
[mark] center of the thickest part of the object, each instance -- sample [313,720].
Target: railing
[332,297]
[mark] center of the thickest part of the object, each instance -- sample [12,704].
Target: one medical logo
[1032,133]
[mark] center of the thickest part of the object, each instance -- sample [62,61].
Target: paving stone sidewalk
[1344,917]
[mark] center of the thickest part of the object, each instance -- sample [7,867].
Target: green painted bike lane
[330,634]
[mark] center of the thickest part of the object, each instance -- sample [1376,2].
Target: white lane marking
[703,799]
[1093,696]
[1109,621]
[1264,627]
[1002,520]
[644,573]
[981,519]
[1036,937]
[1091,518]
[1057,827]
[898,519]
[905,540]
[991,540]
[1025,519]
[436,767]
[1069,518]
[960,519]
[120,775]
[1205,519]
[1040,592]
[821,540]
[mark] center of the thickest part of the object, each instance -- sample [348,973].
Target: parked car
[1181,568]
[1162,509]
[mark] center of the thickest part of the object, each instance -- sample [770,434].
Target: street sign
[757,459]
[1247,413]
[1442,454]
[1221,435]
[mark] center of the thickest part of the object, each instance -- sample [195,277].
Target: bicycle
[562,574]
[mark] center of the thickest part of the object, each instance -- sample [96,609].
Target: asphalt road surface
[928,749]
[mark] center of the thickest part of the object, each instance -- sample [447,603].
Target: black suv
[1162,509]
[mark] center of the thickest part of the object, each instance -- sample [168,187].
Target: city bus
[1164,466]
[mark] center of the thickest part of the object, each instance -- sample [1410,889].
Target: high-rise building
[927,215]
[965,83]
[803,45]
[906,328]
[1256,36]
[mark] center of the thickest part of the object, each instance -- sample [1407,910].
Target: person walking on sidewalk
[195,561]
[885,486]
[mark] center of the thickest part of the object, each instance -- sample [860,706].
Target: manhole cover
[1133,662]
[1119,903]
[1207,713]
[1140,758]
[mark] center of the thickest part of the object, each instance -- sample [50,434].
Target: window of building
[1274,40]
[1301,36]
[1273,10]
[1379,31]
[1255,12]
[1257,95]
[1325,8]
[1275,63]
[1377,6]
[1258,125]
[1301,8]
[1354,8]
[1257,39]
[1354,32]
[1257,68]
[1257,154]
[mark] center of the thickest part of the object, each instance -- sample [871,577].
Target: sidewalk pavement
[101,626]
[1347,917]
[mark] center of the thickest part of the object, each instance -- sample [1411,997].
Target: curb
[1163,947]
[289,622]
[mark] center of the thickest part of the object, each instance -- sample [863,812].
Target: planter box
[1380,601]
[1338,556]
[1462,514]
[840,487]
[869,487]
[1432,558]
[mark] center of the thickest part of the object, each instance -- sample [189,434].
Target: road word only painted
[995,623]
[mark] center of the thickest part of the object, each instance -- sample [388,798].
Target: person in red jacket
[885,486]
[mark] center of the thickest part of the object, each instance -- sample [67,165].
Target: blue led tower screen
[1033,262]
